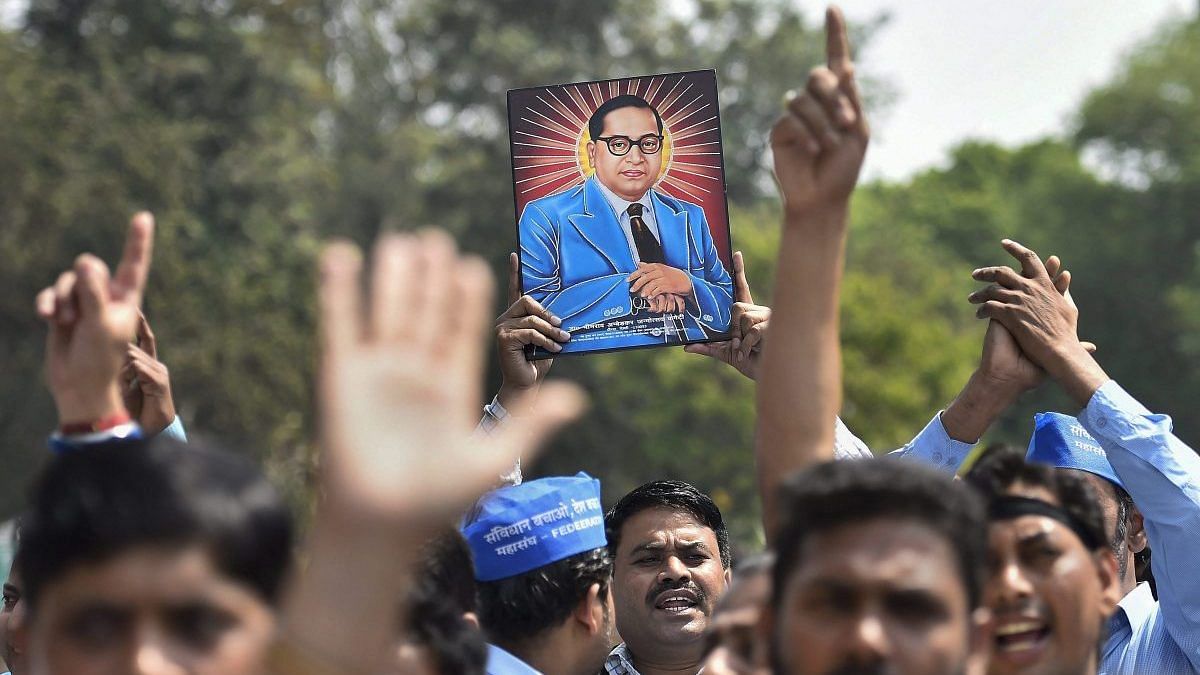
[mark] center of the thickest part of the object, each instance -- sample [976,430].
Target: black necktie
[648,247]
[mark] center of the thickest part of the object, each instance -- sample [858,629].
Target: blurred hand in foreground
[401,376]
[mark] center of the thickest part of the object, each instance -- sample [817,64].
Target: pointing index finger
[837,44]
[837,58]
[135,260]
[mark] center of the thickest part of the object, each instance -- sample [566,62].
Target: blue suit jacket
[575,259]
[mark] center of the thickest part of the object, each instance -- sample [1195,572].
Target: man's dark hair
[443,591]
[841,494]
[447,569]
[596,121]
[669,494]
[456,647]
[995,475]
[91,505]
[518,609]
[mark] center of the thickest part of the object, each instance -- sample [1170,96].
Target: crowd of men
[139,552]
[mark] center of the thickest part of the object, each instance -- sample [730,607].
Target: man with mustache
[671,558]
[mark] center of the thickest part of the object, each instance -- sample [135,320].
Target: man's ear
[1110,582]
[728,576]
[982,631]
[591,149]
[1136,532]
[590,611]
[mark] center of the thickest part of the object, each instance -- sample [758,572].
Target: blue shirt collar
[500,662]
[1138,605]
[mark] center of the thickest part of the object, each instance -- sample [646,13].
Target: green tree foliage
[1143,128]
[203,112]
[256,129]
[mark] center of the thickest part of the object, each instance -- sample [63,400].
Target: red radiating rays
[549,134]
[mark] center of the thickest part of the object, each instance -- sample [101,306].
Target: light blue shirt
[175,430]
[500,662]
[932,446]
[620,209]
[1162,474]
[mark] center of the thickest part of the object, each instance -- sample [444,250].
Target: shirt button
[937,457]
[1102,422]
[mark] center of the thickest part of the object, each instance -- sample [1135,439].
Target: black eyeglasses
[621,145]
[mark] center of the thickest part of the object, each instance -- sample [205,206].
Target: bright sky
[1009,71]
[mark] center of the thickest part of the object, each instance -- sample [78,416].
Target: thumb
[559,403]
[702,348]
[741,287]
[514,278]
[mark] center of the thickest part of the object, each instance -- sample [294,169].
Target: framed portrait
[622,219]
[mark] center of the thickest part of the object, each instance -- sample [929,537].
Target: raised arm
[1159,471]
[92,317]
[1003,375]
[818,147]
[401,373]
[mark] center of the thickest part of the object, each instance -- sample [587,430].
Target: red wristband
[102,424]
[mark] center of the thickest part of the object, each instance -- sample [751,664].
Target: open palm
[400,383]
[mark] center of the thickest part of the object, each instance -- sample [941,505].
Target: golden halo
[585,164]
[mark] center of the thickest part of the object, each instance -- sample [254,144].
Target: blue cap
[1061,441]
[523,527]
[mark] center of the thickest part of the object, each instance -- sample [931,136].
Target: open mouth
[677,601]
[1021,637]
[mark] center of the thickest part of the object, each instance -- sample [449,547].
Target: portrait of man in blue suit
[622,264]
